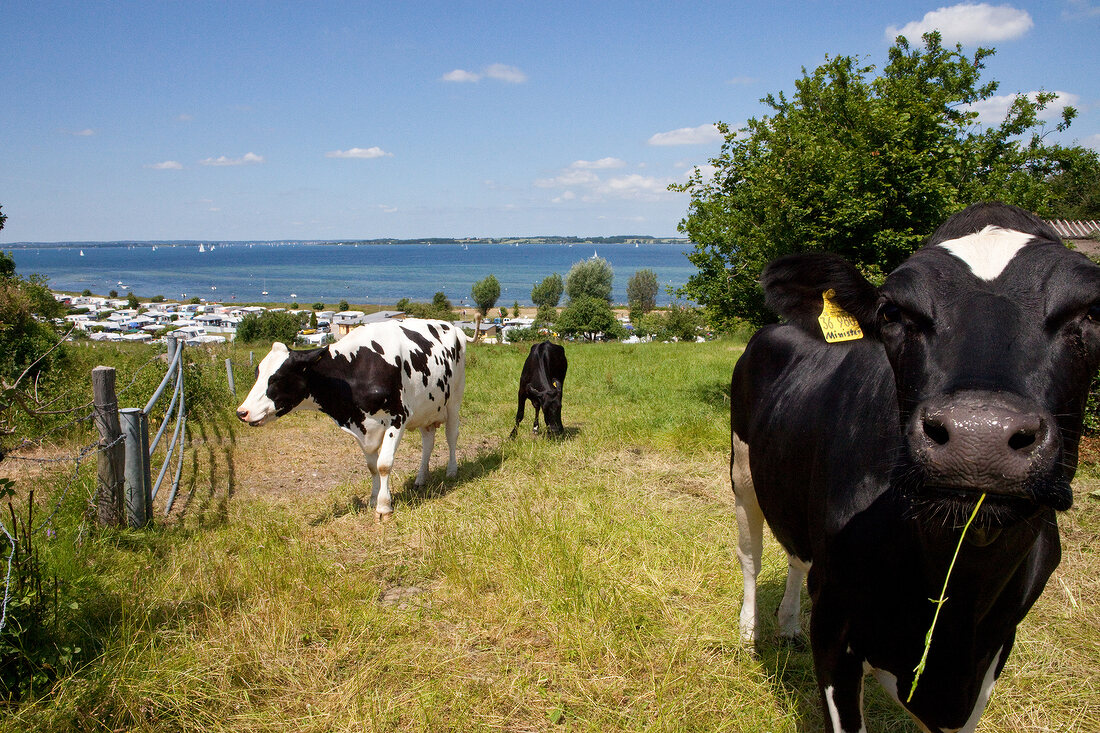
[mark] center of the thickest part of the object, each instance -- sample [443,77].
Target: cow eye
[890,312]
[1094,313]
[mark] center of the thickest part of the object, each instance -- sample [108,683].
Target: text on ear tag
[837,324]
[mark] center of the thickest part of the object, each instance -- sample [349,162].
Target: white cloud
[503,72]
[706,171]
[500,72]
[461,75]
[993,110]
[184,117]
[701,135]
[1092,141]
[595,165]
[168,165]
[569,177]
[246,159]
[968,23]
[86,132]
[371,152]
[742,80]
[580,181]
[634,185]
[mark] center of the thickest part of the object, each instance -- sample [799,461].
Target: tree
[132,301]
[270,326]
[26,307]
[343,306]
[1075,188]
[439,308]
[591,277]
[440,302]
[485,293]
[2,217]
[546,314]
[515,309]
[587,316]
[861,165]
[548,292]
[641,292]
[112,294]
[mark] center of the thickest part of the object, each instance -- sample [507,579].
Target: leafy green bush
[270,326]
[520,335]
[586,316]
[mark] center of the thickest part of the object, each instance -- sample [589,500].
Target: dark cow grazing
[541,382]
[376,382]
[966,373]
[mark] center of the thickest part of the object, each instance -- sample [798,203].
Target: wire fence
[135,443]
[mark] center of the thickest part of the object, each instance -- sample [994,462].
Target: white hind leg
[792,597]
[750,534]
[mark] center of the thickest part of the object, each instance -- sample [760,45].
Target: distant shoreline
[596,241]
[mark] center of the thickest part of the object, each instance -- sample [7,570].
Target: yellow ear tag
[837,324]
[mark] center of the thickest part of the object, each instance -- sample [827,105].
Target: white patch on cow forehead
[989,251]
[257,399]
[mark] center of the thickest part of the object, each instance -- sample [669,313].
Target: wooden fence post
[112,451]
[229,376]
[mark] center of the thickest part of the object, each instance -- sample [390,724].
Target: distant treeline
[618,239]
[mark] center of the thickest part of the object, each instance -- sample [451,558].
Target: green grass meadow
[582,584]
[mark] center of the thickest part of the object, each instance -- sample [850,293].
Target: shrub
[270,326]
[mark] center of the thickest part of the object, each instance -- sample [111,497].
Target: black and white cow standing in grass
[966,373]
[376,382]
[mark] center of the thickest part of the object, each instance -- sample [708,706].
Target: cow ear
[801,287]
[279,348]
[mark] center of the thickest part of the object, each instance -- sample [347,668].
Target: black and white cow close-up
[376,382]
[965,374]
[542,381]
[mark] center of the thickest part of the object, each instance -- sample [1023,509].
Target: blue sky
[326,120]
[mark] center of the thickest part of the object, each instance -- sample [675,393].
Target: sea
[366,274]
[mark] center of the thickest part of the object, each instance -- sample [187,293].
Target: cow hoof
[383,518]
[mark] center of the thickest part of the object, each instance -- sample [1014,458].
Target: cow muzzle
[986,442]
[253,418]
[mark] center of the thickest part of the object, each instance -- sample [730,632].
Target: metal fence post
[139,502]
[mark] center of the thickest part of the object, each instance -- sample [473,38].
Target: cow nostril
[937,431]
[1022,439]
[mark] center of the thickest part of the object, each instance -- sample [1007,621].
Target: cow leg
[750,534]
[427,442]
[792,597]
[519,414]
[452,440]
[839,671]
[384,506]
[536,405]
[375,479]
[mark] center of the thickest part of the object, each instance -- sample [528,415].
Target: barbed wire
[43,524]
[88,415]
[78,458]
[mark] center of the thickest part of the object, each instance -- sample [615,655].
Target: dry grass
[582,584]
